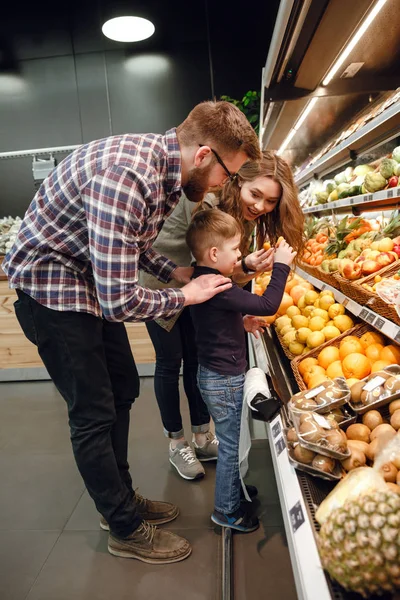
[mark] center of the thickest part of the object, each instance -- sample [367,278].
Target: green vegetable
[321,197]
[329,186]
[398,171]
[396,154]
[374,182]
[388,168]
[340,178]
[354,190]
[362,170]
[343,190]
[348,174]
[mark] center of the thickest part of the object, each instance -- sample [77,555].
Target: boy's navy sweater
[218,323]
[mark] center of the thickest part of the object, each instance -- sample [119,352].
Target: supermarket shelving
[382,128]
[385,326]
[384,199]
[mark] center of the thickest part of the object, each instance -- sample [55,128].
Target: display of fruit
[319,434]
[354,359]
[323,398]
[378,386]
[359,543]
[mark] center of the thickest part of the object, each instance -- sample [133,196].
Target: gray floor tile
[80,568]
[262,566]
[22,555]
[38,491]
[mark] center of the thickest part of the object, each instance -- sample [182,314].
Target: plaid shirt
[91,225]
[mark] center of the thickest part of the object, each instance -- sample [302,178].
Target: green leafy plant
[249,105]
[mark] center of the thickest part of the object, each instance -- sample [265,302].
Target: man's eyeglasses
[231,176]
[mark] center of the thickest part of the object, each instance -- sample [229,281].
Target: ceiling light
[128,29]
[354,40]
[298,124]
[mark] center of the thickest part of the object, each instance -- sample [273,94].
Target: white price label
[314,392]
[321,421]
[374,383]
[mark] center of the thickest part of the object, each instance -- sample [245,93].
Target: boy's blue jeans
[223,395]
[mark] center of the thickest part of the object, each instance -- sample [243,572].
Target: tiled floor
[51,547]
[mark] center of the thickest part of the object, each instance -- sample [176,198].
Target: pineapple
[337,243]
[312,226]
[360,543]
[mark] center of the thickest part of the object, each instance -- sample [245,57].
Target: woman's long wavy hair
[285,220]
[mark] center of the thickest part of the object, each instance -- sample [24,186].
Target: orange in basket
[372,337]
[373,352]
[379,365]
[350,346]
[391,353]
[356,365]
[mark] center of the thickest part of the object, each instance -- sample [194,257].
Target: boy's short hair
[210,228]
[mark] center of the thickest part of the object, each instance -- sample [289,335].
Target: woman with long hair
[263,198]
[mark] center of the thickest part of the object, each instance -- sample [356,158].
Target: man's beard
[197,185]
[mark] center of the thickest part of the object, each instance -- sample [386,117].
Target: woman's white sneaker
[185,461]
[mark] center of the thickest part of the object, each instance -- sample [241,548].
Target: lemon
[286,330]
[315,339]
[288,338]
[335,310]
[292,311]
[310,297]
[318,312]
[301,303]
[308,311]
[343,323]
[326,301]
[317,323]
[316,304]
[326,293]
[330,332]
[282,321]
[302,334]
[299,321]
[296,348]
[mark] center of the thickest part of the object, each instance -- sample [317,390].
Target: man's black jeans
[91,364]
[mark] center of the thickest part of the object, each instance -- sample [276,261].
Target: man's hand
[182,274]
[254,325]
[205,287]
[261,260]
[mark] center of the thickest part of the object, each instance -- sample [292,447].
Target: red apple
[352,271]
[393,181]
[384,259]
[370,266]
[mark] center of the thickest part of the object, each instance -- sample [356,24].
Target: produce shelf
[385,126]
[384,199]
[388,328]
[296,503]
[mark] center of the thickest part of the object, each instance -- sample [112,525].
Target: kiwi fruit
[311,432]
[392,385]
[332,421]
[394,487]
[329,396]
[395,419]
[302,455]
[389,472]
[356,391]
[292,436]
[394,405]
[358,431]
[372,419]
[336,441]
[323,463]
[357,459]
[385,430]
[373,396]
[358,445]
[305,416]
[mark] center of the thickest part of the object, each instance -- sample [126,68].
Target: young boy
[214,238]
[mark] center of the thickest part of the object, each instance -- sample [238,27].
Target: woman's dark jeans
[173,347]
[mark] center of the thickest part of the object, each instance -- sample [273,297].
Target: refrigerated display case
[323,123]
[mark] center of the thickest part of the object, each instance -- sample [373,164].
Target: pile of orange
[314,250]
[354,359]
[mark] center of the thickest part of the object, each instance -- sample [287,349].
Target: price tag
[276,429]
[363,313]
[379,323]
[390,194]
[368,198]
[345,302]
[321,421]
[367,315]
[296,516]
[351,201]
[323,287]
[314,392]
[374,383]
[280,446]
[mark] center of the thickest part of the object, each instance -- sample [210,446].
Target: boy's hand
[205,287]
[284,253]
[261,260]
[182,274]
[253,325]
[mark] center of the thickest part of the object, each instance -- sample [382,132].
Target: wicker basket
[313,271]
[354,290]
[327,278]
[357,331]
[373,300]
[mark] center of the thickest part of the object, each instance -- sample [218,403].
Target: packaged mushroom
[320,434]
[323,398]
[306,460]
[376,390]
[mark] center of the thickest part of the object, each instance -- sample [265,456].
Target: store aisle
[51,547]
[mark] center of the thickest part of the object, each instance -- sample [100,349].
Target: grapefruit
[306,365]
[373,352]
[316,380]
[335,370]
[379,365]
[312,371]
[287,301]
[356,365]
[391,353]
[296,293]
[349,347]
[372,337]
[327,356]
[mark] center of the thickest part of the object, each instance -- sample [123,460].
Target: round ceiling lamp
[128,29]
